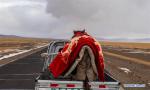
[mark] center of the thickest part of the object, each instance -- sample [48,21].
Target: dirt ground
[14,45]
[128,65]
[132,45]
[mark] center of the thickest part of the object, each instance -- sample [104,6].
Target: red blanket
[63,61]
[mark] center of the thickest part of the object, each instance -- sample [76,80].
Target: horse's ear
[83,31]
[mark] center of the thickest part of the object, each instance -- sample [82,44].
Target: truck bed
[43,82]
[67,84]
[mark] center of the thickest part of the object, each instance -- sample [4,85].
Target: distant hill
[125,40]
[98,38]
[15,36]
[143,40]
[9,36]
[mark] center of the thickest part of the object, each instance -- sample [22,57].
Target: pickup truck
[43,82]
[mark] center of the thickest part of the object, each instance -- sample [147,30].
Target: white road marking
[22,74]
[14,54]
[16,79]
[21,52]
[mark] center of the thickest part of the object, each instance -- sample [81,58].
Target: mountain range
[100,39]
[9,36]
[125,39]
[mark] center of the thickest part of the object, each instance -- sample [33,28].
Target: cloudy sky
[58,18]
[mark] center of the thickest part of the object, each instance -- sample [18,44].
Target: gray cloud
[104,18]
[27,19]
[101,18]
[82,9]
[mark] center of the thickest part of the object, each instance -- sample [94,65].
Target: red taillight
[102,86]
[70,85]
[53,85]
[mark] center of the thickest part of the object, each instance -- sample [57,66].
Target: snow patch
[19,52]
[41,46]
[126,70]
[136,51]
[139,52]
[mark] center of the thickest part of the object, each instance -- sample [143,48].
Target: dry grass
[127,45]
[20,43]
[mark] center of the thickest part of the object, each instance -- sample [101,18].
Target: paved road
[21,73]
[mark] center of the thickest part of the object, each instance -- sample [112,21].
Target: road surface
[128,68]
[21,74]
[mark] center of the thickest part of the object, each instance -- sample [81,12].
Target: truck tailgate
[74,85]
